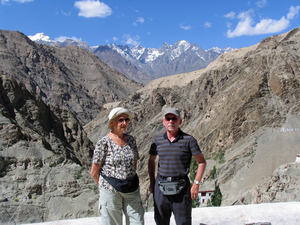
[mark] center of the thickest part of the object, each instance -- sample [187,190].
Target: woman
[114,170]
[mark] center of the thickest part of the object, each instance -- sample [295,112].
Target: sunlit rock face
[243,109]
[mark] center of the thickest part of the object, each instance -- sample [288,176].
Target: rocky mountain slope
[44,156]
[236,108]
[243,109]
[69,77]
[144,64]
[281,186]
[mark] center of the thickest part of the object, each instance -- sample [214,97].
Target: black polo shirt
[174,157]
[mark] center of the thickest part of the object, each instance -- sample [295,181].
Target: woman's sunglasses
[122,120]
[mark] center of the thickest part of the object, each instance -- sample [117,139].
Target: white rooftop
[287,213]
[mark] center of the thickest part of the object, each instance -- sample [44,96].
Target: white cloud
[115,38]
[65,14]
[131,41]
[266,26]
[6,2]
[228,24]
[261,3]
[188,27]
[139,20]
[135,10]
[207,24]
[63,38]
[91,8]
[230,15]
[23,1]
[293,12]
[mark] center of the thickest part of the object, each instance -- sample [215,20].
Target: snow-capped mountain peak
[183,44]
[141,63]
[40,37]
[179,48]
[137,51]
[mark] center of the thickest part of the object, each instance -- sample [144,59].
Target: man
[175,150]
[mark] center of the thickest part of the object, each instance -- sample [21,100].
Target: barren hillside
[68,77]
[237,107]
[243,109]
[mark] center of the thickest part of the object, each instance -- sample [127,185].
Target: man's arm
[95,172]
[151,171]
[200,171]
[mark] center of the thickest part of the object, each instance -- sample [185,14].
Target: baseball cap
[173,111]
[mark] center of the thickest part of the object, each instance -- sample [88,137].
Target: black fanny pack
[171,187]
[127,185]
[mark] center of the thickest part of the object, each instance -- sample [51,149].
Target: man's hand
[194,191]
[200,171]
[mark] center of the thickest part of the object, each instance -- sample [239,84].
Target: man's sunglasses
[171,118]
[122,120]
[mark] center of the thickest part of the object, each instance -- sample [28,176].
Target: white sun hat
[115,112]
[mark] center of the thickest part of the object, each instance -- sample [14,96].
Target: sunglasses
[122,120]
[171,118]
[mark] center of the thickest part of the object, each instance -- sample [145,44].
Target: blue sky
[150,23]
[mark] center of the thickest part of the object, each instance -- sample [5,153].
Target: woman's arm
[95,172]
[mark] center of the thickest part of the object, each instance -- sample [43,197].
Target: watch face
[196,182]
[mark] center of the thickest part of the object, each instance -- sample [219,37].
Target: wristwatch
[196,182]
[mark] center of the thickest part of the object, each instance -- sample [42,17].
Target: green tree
[195,202]
[213,173]
[216,199]
[219,156]
[193,172]
[209,203]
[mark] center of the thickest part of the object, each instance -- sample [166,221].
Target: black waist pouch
[127,185]
[171,188]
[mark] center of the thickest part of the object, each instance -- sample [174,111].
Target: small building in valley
[204,196]
[298,158]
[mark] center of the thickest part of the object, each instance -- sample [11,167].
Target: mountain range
[144,64]
[243,109]
[68,77]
